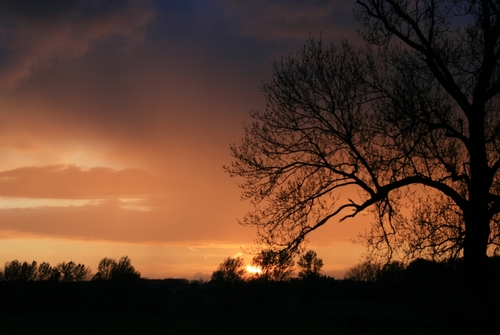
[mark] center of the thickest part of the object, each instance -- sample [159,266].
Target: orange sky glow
[116,119]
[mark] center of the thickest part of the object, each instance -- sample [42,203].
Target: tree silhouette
[366,271]
[275,266]
[230,271]
[409,116]
[47,273]
[24,272]
[71,272]
[44,271]
[105,268]
[310,265]
[124,271]
[110,269]
[17,271]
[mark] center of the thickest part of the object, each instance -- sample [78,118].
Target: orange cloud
[113,220]
[72,182]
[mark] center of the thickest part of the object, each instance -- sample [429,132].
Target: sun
[253,270]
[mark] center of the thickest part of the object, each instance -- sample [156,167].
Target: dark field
[340,317]
[151,307]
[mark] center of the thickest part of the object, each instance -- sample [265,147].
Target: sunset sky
[116,119]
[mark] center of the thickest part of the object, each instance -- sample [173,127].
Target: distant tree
[71,272]
[47,273]
[44,272]
[17,271]
[230,271]
[275,266]
[28,271]
[124,270]
[110,269]
[366,271]
[105,268]
[310,265]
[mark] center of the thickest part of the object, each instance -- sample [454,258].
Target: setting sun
[254,270]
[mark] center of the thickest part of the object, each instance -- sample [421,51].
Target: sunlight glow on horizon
[154,261]
[254,270]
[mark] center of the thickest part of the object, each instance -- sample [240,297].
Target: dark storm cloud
[278,19]
[34,33]
[36,9]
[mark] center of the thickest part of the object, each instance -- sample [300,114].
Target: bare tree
[409,118]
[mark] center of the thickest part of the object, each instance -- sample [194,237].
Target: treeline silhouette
[108,269]
[432,288]
[67,287]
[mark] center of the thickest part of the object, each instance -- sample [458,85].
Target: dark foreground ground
[344,317]
[177,307]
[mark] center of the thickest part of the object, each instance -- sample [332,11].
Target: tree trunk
[477,225]
[477,218]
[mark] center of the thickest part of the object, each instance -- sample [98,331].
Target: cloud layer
[72,182]
[34,34]
[275,20]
